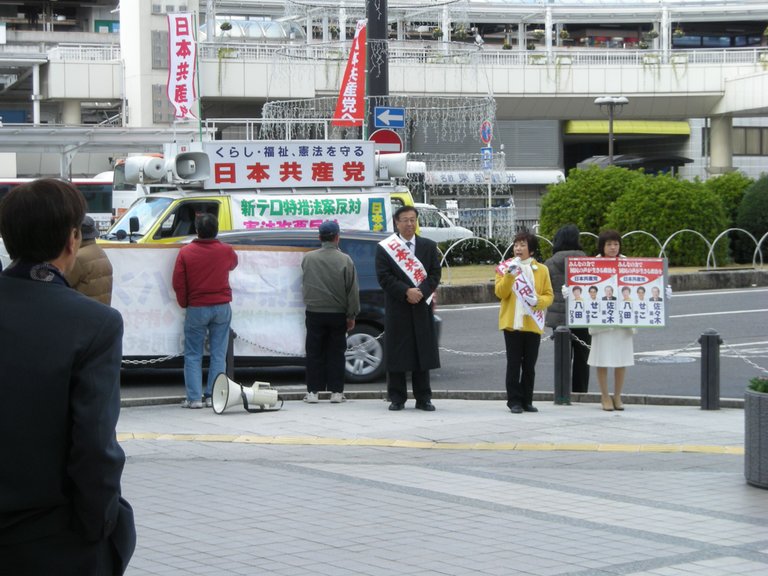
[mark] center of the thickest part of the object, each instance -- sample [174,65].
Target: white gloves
[564,292]
[668,291]
[531,300]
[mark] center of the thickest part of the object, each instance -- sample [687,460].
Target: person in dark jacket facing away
[92,272]
[61,510]
[566,243]
[201,283]
[332,301]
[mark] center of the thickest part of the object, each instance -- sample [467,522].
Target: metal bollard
[562,365]
[231,355]
[710,370]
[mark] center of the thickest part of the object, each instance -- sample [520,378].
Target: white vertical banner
[182,65]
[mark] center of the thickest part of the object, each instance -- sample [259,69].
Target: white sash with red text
[406,260]
[521,288]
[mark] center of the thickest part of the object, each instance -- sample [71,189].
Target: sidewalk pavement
[353,489]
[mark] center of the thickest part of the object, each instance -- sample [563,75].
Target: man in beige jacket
[92,273]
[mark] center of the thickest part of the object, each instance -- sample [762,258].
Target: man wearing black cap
[332,301]
[92,272]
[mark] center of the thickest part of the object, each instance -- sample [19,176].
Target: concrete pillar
[665,36]
[36,94]
[342,22]
[721,144]
[548,32]
[70,113]
[136,25]
[522,44]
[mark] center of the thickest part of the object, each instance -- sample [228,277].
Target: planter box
[756,438]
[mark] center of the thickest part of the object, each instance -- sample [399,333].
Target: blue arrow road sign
[486,154]
[388,117]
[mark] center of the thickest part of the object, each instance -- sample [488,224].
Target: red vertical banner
[182,65]
[350,106]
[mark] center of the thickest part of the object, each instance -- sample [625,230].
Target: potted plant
[334,31]
[530,46]
[225,28]
[651,35]
[460,33]
[564,34]
[506,45]
[538,33]
[643,45]
[678,32]
[756,432]
[437,33]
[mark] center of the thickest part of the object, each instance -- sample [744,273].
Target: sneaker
[208,402]
[191,404]
[337,398]
[311,398]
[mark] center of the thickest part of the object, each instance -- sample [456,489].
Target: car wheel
[365,354]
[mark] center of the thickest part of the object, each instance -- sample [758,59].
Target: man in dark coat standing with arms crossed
[60,506]
[408,270]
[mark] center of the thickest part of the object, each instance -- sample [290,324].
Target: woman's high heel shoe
[617,403]
[607,403]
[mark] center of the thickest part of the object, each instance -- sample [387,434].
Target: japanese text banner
[350,106]
[350,211]
[624,292]
[182,65]
[290,164]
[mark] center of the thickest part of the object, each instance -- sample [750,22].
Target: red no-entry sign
[387,141]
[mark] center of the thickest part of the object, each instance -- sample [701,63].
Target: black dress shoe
[396,406]
[530,408]
[516,409]
[427,406]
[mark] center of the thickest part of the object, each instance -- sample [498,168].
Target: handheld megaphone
[227,393]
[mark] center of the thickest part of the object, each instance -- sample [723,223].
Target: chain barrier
[747,360]
[267,348]
[151,361]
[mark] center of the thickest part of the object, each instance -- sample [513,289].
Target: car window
[181,222]
[430,218]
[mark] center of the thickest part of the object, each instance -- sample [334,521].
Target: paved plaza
[353,489]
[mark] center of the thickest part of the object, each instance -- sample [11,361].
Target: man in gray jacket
[332,301]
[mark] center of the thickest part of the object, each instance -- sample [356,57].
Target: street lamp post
[609,104]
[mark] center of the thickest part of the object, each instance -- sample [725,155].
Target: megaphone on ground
[227,393]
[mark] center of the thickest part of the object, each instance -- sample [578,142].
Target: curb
[588,398]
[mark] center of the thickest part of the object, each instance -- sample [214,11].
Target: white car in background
[436,225]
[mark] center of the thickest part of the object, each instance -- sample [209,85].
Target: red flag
[350,107]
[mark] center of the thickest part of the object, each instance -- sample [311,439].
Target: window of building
[747,141]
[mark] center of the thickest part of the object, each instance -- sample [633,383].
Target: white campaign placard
[290,164]
[267,302]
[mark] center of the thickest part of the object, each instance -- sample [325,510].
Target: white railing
[434,53]
[85,53]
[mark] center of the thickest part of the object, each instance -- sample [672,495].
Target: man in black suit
[61,511]
[408,270]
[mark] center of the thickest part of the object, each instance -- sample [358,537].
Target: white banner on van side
[351,211]
[290,164]
[267,304]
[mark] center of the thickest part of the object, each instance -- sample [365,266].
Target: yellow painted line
[432,445]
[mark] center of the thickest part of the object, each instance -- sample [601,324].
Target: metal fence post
[231,355]
[562,337]
[710,370]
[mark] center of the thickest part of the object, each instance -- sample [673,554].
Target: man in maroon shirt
[201,283]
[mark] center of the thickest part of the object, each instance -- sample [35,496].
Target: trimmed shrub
[753,217]
[730,189]
[473,251]
[662,205]
[584,199]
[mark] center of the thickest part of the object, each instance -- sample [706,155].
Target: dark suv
[365,354]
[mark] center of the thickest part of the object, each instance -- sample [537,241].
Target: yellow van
[169,216]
